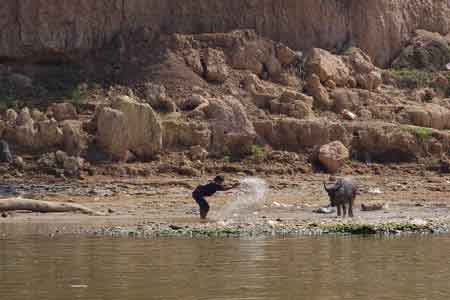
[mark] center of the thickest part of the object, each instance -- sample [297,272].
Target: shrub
[423,133]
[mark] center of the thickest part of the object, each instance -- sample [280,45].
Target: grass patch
[422,133]
[259,153]
[77,98]
[412,78]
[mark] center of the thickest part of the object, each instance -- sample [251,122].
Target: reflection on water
[293,268]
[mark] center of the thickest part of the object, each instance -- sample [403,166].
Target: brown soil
[291,201]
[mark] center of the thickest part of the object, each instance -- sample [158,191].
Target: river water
[41,268]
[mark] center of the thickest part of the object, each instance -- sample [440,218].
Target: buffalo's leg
[338,207]
[344,210]
[350,209]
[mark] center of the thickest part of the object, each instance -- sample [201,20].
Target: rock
[262,92]
[62,111]
[19,163]
[333,156]
[365,114]
[330,84]
[37,115]
[24,117]
[292,104]
[215,65]
[373,206]
[380,26]
[71,165]
[181,135]
[5,152]
[327,67]
[324,210]
[193,60]
[11,117]
[24,133]
[348,115]
[442,85]
[285,55]
[20,81]
[427,50]
[429,115]
[298,135]
[358,61]
[75,140]
[198,153]
[60,157]
[112,132]
[129,125]
[425,95]
[385,142]
[370,81]
[156,96]
[274,67]
[318,91]
[187,171]
[193,102]
[36,135]
[48,134]
[3,128]
[47,160]
[232,131]
[345,99]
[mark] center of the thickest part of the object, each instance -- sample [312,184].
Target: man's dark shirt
[209,189]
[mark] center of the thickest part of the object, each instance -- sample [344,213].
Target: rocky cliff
[42,29]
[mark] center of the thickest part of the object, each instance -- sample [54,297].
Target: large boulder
[129,126]
[232,131]
[365,73]
[429,115]
[292,104]
[215,65]
[384,142]
[315,88]
[333,156]
[62,111]
[345,99]
[427,50]
[48,134]
[75,140]
[156,96]
[327,66]
[299,135]
[182,135]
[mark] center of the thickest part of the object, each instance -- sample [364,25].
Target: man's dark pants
[201,201]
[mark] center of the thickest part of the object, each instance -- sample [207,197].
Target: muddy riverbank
[162,206]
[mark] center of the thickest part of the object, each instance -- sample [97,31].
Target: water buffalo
[342,194]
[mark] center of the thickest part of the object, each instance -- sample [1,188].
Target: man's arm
[230,187]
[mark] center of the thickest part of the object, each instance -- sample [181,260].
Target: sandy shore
[163,206]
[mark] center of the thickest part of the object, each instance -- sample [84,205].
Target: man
[208,190]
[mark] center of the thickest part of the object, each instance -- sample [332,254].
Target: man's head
[219,179]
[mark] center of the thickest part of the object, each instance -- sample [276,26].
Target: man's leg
[204,209]
[203,204]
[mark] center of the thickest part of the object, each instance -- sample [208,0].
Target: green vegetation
[422,133]
[7,102]
[416,78]
[259,153]
[77,98]
[412,78]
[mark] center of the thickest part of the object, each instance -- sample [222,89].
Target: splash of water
[251,194]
